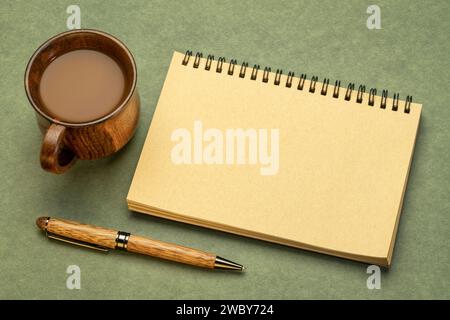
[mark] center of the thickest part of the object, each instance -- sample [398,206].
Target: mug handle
[55,156]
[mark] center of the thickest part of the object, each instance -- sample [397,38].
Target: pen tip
[225,264]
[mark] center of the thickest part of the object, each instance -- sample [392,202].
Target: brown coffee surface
[81,86]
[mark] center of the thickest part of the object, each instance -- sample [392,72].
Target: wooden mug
[65,142]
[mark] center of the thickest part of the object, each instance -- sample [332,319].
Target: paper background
[328,39]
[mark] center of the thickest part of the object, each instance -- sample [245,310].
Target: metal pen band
[122,240]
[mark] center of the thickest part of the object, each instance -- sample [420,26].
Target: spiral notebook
[277,157]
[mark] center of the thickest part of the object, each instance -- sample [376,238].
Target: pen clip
[76,242]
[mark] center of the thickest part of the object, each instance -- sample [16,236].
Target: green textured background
[327,38]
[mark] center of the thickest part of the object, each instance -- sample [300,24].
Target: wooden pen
[104,239]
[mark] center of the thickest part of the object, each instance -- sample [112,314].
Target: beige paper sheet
[343,165]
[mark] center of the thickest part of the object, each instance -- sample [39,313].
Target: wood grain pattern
[83,232]
[41,222]
[136,244]
[171,252]
[95,139]
[55,156]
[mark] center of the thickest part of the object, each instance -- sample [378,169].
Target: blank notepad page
[334,184]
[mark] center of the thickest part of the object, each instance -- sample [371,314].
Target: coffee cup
[82,86]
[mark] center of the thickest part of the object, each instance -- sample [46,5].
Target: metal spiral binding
[359,96]
[266,74]
[187,56]
[337,87]
[408,104]
[372,94]
[254,72]
[312,84]
[198,56]
[278,77]
[325,83]
[384,95]
[395,102]
[289,79]
[231,66]
[244,66]
[348,93]
[220,62]
[209,61]
[301,82]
